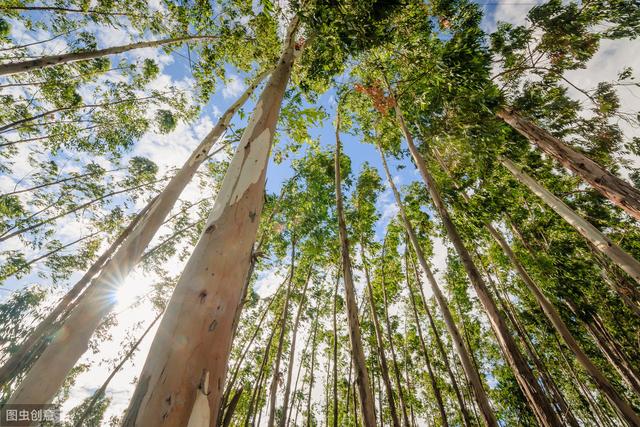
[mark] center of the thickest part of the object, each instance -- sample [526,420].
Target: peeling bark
[48,373]
[196,332]
[618,191]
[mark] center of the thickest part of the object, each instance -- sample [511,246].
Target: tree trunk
[273,390]
[296,402]
[255,395]
[396,371]
[49,61]
[103,388]
[588,231]
[384,368]
[534,394]
[311,369]
[19,359]
[618,191]
[618,281]
[425,353]
[362,375]
[228,416]
[48,373]
[552,314]
[463,353]
[466,418]
[292,349]
[202,310]
[236,367]
[335,352]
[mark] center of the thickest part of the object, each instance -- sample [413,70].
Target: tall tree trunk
[275,379]
[534,394]
[618,281]
[396,370]
[335,352]
[202,310]
[296,402]
[49,61]
[588,231]
[582,389]
[384,368]
[311,369]
[463,353]
[48,373]
[230,384]
[464,412]
[23,355]
[552,314]
[292,350]
[547,381]
[228,416]
[432,378]
[362,375]
[554,317]
[607,348]
[618,191]
[439,344]
[255,395]
[103,388]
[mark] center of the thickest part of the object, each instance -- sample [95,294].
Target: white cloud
[234,87]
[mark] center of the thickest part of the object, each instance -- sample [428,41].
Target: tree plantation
[320,213]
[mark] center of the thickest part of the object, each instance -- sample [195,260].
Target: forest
[288,213]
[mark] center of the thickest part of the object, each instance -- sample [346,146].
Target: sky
[172,149]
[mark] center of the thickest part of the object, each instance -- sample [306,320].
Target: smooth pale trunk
[614,252]
[620,192]
[528,383]
[273,390]
[394,360]
[384,367]
[463,353]
[183,377]
[427,359]
[552,314]
[50,61]
[71,341]
[443,354]
[24,353]
[311,370]
[621,405]
[335,353]
[362,374]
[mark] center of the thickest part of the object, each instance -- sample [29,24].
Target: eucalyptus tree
[355,335]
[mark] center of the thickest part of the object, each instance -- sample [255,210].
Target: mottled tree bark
[618,191]
[183,383]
